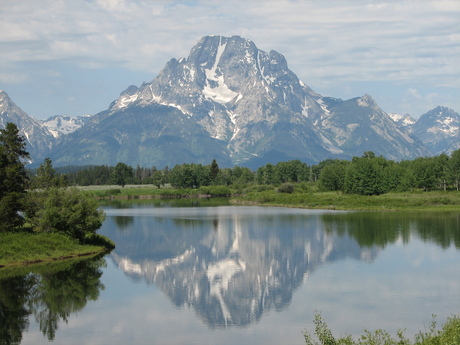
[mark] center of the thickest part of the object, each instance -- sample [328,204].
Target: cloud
[414,93]
[372,40]
[326,43]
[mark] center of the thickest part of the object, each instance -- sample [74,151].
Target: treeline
[371,175]
[366,175]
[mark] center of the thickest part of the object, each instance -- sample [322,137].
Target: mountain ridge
[243,106]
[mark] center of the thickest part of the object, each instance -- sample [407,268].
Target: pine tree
[13,177]
[214,171]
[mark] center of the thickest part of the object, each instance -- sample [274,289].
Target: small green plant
[448,335]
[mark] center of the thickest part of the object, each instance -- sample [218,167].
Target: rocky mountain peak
[439,129]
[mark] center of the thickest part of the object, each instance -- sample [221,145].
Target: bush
[215,190]
[67,211]
[286,188]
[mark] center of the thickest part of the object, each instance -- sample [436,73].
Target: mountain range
[231,101]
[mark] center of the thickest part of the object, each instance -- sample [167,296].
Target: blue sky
[76,57]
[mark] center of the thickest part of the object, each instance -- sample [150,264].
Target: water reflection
[230,264]
[382,228]
[51,293]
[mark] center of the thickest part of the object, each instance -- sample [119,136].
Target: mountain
[403,120]
[231,101]
[439,130]
[38,139]
[60,125]
[359,125]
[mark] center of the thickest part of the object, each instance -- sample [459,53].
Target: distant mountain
[231,101]
[359,125]
[38,139]
[403,120]
[61,125]
[439,130]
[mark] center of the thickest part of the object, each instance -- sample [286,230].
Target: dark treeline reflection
[50,295]
[382,228]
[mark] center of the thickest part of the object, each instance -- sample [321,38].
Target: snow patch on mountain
[404,120]
[215,87]
[60,125]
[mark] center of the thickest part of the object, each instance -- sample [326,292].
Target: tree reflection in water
[51,294]
[382,228]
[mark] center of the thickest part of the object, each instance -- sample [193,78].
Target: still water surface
[193,272]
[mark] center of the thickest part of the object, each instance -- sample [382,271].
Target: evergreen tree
[214,172]
[47,177]
[13,177]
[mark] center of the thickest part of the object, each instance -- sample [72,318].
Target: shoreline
[29,263]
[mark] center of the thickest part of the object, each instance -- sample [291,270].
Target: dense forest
[365,175]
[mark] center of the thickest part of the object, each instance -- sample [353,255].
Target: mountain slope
[39,140]
[135,136]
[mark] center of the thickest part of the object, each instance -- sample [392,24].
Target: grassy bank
[302,196]
[152,192]
[340,201]
[18,249]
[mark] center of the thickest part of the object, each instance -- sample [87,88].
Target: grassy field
[304,196]
[150,191]
[340,201]
[18,249]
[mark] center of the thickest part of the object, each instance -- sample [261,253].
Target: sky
[76,57]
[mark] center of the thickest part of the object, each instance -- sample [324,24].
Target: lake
[206,272]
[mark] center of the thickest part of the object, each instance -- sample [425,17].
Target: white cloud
[414,93]
[412,42]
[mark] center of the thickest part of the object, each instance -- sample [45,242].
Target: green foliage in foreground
[20,248]
[448,335]
[68,211]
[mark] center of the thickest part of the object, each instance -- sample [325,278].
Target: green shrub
[215,190]
[66,211]
[111,192]
[286,188]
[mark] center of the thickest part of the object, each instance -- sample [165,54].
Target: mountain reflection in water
[230,264]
